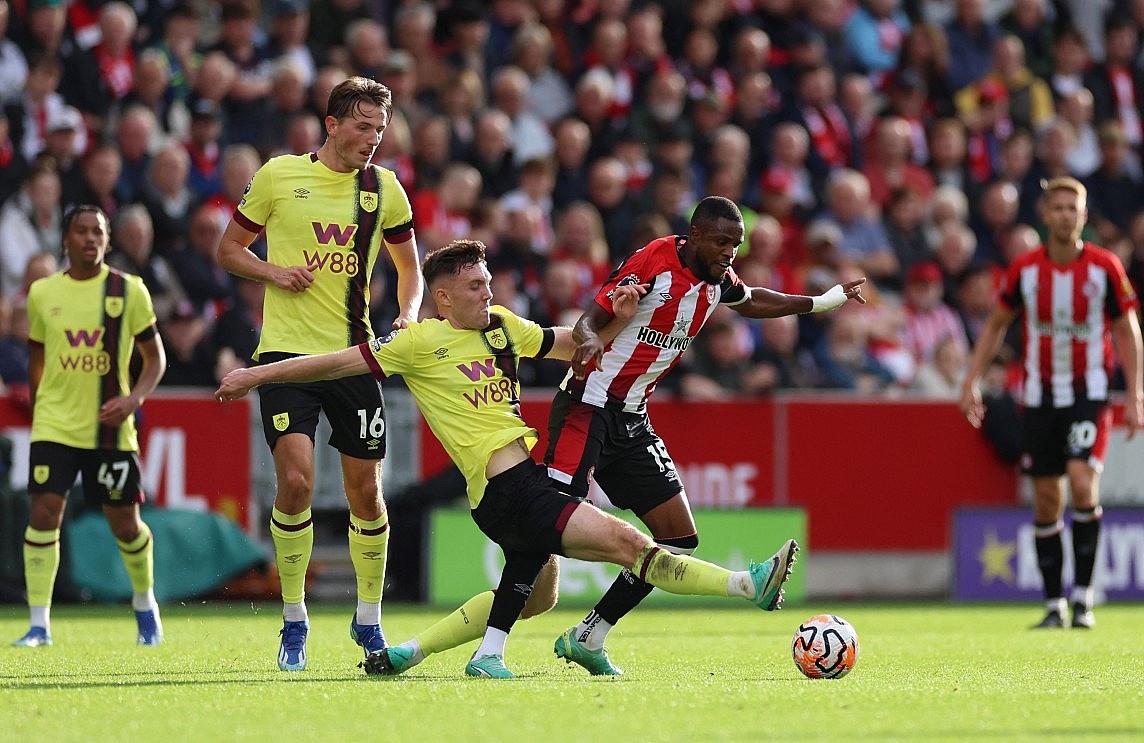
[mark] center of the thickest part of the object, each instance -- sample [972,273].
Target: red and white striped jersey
[668,318]
[1067,312]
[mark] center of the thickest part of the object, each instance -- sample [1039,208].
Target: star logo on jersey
[113,306]
[368,200]
[301,193]
[681,326]
[281,421]
[40,473]
[496,339]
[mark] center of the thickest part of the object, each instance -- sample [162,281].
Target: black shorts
[110,477]
[620,450]
[522,511]
[1052,436]
[352,405]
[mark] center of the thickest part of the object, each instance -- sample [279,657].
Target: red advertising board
[195,452]
[872,474]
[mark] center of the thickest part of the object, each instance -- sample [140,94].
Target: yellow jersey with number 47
[333,224]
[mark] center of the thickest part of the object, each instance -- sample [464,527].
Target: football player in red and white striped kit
[1073,299]
[599,425]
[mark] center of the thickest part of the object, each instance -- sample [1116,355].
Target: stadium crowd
[902,140]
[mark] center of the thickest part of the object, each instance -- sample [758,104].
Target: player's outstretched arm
[763,302]
[235,257]
[345,363]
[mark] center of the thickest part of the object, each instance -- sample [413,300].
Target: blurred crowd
[903,140]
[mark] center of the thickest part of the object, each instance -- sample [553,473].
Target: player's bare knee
[680,545]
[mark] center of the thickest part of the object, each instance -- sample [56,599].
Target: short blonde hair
[1065,183]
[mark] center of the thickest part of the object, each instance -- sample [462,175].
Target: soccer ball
[825,647]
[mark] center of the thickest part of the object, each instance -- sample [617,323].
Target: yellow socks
[369,543]
[680,574]
[139,559]
[466,623]
[41,562]
[293,536]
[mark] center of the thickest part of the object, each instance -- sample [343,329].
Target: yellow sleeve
[396,209]
[394,353]
[258,198]
[35,318]
[140,309]
[526,335]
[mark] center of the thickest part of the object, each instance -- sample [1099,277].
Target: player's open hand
[1133,416]
[235,385]
[591,350]
[294,279]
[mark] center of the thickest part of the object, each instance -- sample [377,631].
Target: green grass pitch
[926,672]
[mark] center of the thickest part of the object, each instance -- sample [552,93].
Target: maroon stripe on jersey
[573,437]
[114,287]
[371,362]
[367,219]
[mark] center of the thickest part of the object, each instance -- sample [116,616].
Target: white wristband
[832,298]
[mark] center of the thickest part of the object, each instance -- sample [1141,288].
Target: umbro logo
[301,193]
[665,296]
[372,555]
[441,352]
[372,443]
[292,559]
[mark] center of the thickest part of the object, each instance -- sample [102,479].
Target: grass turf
[926,672]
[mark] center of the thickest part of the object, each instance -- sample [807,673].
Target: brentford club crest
[711,289]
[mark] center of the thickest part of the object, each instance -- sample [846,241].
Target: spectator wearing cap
[988,124]
[874,32]
[204,147]
[929,319]
[96,78]
[971,39]
[906,98]
[1115,188]
[66,141]
[1030,100]
[1117,83]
